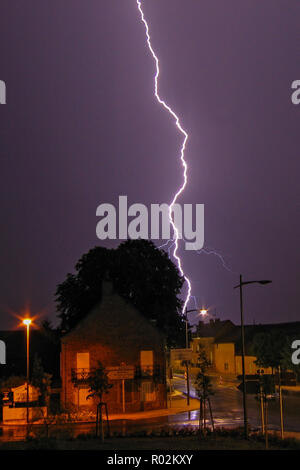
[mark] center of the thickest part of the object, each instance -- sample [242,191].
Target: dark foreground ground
[153,443]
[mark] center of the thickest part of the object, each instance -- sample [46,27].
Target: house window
[226,366]
[83,360]
[128,391]
[82,396]
[148,392]
[146,360]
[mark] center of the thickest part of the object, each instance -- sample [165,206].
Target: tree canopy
[268,347]
[98,383]
[140,272]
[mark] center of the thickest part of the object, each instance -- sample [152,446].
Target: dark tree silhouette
[99,385]
[41,380]
[140,273]
[268,348]
[204,390]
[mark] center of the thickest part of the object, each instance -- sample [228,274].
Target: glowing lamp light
[203,311]
[27,321]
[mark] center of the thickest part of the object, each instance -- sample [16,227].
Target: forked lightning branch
[136,221]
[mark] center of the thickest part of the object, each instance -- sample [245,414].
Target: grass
[222,440]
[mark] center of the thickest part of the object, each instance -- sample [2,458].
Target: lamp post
[240,286]
[202,311]
[280,403]
[27,322]
[260,373]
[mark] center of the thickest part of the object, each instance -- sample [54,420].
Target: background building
[221,341]
[116,334]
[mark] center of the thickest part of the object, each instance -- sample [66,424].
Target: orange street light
[27,322]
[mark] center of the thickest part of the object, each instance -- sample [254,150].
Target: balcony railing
[80,375]
[156,372]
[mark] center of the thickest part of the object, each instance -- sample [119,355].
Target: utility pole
[280,403]
[188,382]
[266,422]
[243,360]
[260,372]
[203,312]
[187,362]
[240,286]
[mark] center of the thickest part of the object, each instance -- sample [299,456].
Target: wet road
[227,407]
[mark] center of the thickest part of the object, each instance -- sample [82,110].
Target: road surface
[227,407]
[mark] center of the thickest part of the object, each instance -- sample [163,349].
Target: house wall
[10,415]
[224,356]
[115,333]
[250,366]
[207,344]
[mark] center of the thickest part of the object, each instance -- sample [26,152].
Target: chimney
[107,286]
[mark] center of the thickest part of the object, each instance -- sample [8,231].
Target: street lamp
[203,312]
[240,286]
[27,323]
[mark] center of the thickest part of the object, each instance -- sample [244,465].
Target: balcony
[155,372]
[80,376]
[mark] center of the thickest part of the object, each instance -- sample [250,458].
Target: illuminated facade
[116,334]
[223,357]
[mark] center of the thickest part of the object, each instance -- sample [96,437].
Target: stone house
[116,334]
[221,340]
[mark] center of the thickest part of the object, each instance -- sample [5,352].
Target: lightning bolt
[182,158]
[211,251]
[205,250]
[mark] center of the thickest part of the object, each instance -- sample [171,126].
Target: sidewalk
[288,390]
[178,405]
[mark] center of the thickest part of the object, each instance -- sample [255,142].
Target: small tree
[268,347]
[203,388]
[99,385]
[41,380]
[266,391]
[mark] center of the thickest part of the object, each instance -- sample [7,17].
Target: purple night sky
[81,127]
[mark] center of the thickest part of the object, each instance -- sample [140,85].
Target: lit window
[148,392]
[83,360]
[146,359]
